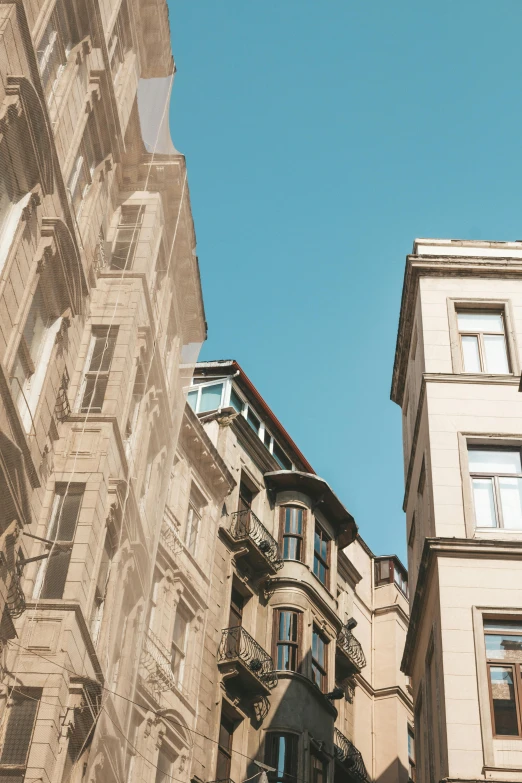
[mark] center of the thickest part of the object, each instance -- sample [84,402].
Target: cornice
[207,459]
[448,547]
[438,266]
[347,570]
[384,693]
[392,608]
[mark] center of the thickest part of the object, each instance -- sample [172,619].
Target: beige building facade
[456,378]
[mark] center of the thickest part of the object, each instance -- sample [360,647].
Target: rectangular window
[164,767]
[51,579]
[411,755]
[193,525]
[319,659]
[236,402]
[58,38]
[121,40]
[281,753]
[99,358]
[205,398]
[179,645]
[293,521]
[22,711]
[321,555]
[30,348]
[287,640]
[280,456]
[483,341]
[88,157]
[319,768]
[127,236]
[224,758]
[253,420]
[496,480]
[503,640]
[100,591]
[388,571]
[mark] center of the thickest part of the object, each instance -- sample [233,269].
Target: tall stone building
[100,310]
[456,377]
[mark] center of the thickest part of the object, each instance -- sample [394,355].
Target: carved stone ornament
[30,208]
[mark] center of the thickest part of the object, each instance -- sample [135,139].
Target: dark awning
[321,496]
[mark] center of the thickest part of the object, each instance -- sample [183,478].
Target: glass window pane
[470,353]
[192,398]
[253,420]
[496,354]
[504,647]
[480,322]
[19,730]
[56,574]
[489,461]
[291,548]
[210,397]
[280,457]
[511,499]
[503,697]
[507,626]
[485,514]
[236,402]
[294,520]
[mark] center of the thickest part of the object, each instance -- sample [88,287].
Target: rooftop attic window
[389,571]
[207,397]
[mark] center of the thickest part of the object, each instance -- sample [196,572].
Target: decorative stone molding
[30,208]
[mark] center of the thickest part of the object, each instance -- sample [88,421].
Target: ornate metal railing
[237,643]
[62,406]
[169,533]
[352,647]
[15,599]
[222,780]
[348,755]
[245,524]
[157,660]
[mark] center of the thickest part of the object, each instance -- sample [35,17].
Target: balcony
[347,755]
[349,655]
[242,658]
[157,660]
[256,547]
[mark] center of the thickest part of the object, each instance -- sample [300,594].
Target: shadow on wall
[395,773]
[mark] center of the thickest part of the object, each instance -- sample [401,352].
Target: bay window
[98,364]
[292,532]
[503,640]
[496,480]
[127,236]
[88,156]
[321,555]
[483,341]
[319,659]
[281,753]
[287,638]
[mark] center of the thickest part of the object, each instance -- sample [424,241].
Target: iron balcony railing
[157,660]
[245,524]
[350,645]
[237,643]
[350,757]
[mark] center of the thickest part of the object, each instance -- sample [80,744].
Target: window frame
[179,654]
[277,642]
[35,694]
[412,768]
[300,538]
[323,670]
[222,750]
[497,498]
[500,663]
[124,226]
[319,558]
[82,170]
[503,306]
[322,760]
[271,756]
[96,375]
[479,335]
[393,569]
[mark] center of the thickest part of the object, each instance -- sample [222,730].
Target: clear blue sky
[321,137]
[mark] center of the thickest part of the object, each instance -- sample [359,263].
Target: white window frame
[86,373]
[504,306]
[182,651]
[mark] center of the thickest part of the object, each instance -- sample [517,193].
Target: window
[236,402]
[280,456]
[30,349]
[281,753]
[389,571]
[319,659]
[57,40]
[121,40]
[253,420]
[51,579]
[164,767]
[100,591]
[179,645]
[286,636]
[245,497]
[321,555]
[88,157]
[224,758]
[483,341]
[127,236]
[206,398]
[504,657]
[319,767]
[131,428]
[22,711]
[99,358]
[411,755]
[293,521]
[193,525]
[496,479]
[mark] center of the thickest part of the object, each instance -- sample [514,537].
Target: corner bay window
[281,753]
[293,521]
[388,571]
[287,633]
[319,659]
[496,480]
[98,364]
[504,657]
[483,341]
[321,555]
[51,579]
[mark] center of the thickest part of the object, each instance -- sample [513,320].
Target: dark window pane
[291,548]
[56,574]
[236,402]
[94,394]
[20,724]
[253,420]
[318,770]
[104,344]
[281,753]
[503,698]
[280,457]
[288,626]
[65,517]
